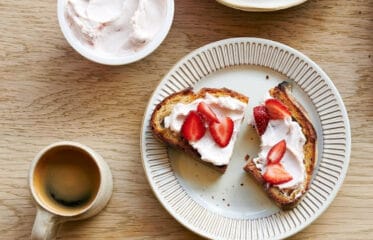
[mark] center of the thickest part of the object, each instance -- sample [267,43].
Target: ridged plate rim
[333,163]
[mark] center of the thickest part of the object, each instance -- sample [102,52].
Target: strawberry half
[261,117]
[193,127]
[207,112]
[276,109]
[222,131]
[276,153]
[276,174]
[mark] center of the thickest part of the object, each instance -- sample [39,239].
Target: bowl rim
[90,54]
[261,6]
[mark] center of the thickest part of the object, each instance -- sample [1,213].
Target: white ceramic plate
[231,205]
[261,5]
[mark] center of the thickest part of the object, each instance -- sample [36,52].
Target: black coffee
[66,179]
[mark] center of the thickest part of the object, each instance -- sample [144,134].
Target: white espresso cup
[68,181]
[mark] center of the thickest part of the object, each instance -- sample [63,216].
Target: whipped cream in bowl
[115,32]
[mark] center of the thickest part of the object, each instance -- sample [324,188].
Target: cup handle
[46,225]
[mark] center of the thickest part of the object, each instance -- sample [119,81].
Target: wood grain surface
[48,92]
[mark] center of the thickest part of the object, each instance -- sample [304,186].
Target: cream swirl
[116,27]
[209,150]
[292,160]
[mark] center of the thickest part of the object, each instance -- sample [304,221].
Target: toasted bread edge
[164,108]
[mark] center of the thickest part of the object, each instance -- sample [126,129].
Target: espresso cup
[68,181]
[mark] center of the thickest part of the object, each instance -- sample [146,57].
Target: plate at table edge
[207,66]
[261,5]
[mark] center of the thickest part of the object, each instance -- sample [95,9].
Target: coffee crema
[66,180]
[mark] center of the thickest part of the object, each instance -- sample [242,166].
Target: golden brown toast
[288,198]
[164,108]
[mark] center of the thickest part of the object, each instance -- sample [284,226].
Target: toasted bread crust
[287,198]
[164,108]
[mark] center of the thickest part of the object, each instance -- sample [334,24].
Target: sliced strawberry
[207,112]
[276,174]
[261,117]
[276,109]
[193,127]
[222,132]
[276,153]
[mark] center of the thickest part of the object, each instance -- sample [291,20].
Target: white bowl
[92,55]
[260,5]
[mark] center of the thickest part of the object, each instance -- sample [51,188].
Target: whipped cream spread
[116,27]
[292,160]
[209,150]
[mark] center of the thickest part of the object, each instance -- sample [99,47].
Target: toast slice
[164,109]
[287,198]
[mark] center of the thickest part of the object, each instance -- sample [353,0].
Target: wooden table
[48,92]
